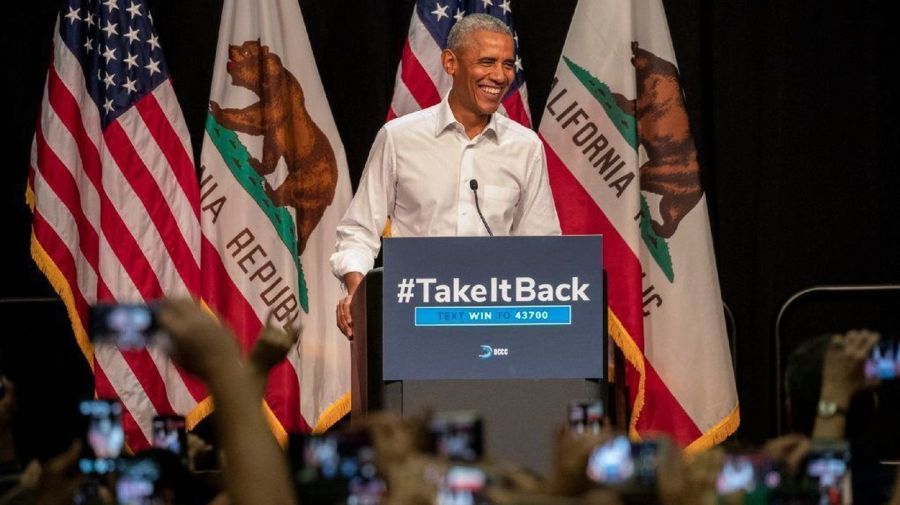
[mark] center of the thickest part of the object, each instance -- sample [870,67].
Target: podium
[513,328]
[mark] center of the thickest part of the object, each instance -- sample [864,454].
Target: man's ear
[449,61]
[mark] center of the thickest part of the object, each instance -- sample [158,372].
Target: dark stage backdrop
[792,108]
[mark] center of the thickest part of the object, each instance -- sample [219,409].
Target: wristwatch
[827,409]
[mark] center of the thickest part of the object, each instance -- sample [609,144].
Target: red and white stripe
[117,213]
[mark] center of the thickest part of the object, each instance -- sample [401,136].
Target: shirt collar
[445,119]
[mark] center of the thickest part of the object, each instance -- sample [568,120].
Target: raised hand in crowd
[272,345]
[201,345]
[690,481]
[399,445]
[571,453]
[395,439]
[518,484]
[843,374]
[412,481]
[789,450]
[256,466]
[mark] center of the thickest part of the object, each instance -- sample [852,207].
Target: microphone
[473,185]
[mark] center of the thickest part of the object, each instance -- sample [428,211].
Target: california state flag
[273,184]
[622,163]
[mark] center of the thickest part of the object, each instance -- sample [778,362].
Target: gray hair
[464,28]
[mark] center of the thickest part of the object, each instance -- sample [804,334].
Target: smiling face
[482,71]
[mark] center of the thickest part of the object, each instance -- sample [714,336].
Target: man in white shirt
[425,168]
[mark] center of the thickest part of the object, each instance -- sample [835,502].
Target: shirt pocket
[499,207]
[501,193]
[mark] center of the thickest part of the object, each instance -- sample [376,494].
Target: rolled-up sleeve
[359,232]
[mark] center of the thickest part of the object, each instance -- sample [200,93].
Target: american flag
[421,81]
[114,196]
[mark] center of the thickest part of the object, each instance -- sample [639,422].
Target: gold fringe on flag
[46,265]
[711,437]
[717,434]
[333,413]
[199,412]
[635,356]
[275,425]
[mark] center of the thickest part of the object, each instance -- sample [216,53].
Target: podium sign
[493,308]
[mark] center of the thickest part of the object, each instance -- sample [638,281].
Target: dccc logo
[487,352]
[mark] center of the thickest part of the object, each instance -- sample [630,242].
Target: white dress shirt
[419,172]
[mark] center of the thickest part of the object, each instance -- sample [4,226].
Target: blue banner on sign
[526,315]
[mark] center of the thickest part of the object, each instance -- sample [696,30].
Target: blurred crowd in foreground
[835,456]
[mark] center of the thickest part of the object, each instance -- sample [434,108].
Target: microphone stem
[478,208]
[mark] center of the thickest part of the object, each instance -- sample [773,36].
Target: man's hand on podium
[344,321]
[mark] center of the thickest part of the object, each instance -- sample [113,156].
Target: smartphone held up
[828,472]
[127,326]
[622,463]
[586,416]
[338,468]
[456,436]
[103,435]
[884,362]
[749,474]
[137,481]
[169,433]
[462,485]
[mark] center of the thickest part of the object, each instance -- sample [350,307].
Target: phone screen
[456,436]
[884,362]
[736,475]
[137,480]
[620,462]
[127,326]
[747,473]
[339,467]
[828,470]
[462,485]
[169,433]
[103,436]
[586,416]
[611,463]
[646,461]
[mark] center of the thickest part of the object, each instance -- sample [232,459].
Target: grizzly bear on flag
[288,131]
[671,170]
